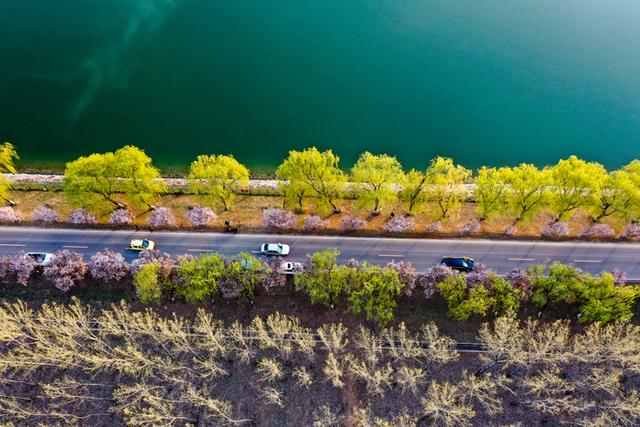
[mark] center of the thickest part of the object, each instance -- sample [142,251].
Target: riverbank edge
[55,168]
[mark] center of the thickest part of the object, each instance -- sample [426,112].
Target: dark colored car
[460,263]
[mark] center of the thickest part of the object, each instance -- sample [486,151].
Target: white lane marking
[392,255]
[521,259]
[588,260]
[74,247]
[12,244]
[201,250]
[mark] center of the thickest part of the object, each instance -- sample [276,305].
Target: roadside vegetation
[72,364]
[122,188]
[372,292]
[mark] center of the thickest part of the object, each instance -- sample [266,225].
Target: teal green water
[486,82]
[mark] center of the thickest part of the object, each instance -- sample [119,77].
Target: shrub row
[199,216]
[364,288]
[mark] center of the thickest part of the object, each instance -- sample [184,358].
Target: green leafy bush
[505,297]
[197,278]
[598,298]
[462,300]
[563,283]
[148,288]
[322,279]
[374,292]
[240,275]
[603,301]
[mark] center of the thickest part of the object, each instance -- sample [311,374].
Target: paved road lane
[501,255]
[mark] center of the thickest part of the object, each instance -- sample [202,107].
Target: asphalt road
[501,255]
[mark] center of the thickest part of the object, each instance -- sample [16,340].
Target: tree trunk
[335,208]
[603,213]
[115,202]
[412,202]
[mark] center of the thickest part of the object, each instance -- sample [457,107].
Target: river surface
[485,82]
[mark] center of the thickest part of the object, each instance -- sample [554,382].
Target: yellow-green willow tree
[575,184]
[217,177]
[527,190]
[8,155]
[446,186]
[413,189]
[311,173]
[619,194]
[109,180]
[378,176]
[490,192]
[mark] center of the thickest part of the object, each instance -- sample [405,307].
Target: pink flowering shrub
[470,228]
[277,219]
[314,223]
[81,216]
[231,285]
[6,271]
[163,259]
[201,216]
[432,277]
[272,276]
[520,279]
[353,264]
[433,227]
[22,268]
[65,270]
[352,223]
[121,217]
[16,268]
[596,231]
[619,278]
[509,230]
[481,275]
[406,273]
[108,266]
[44,215]
[161,218]
[399,224]
[8,214]
[631,231]
[555,229]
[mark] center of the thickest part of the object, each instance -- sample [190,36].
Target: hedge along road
[500,255]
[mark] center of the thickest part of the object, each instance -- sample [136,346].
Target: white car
[142,245]
[274,249]
[291,267]
[41,258]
